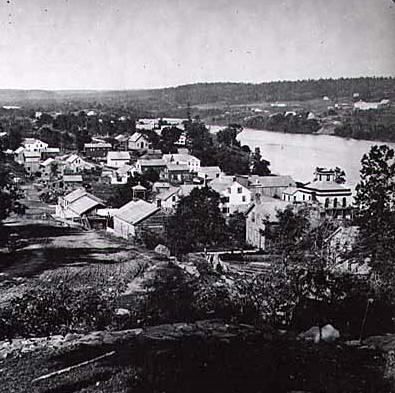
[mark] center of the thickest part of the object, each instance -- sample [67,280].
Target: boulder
[328,334]
[162,250]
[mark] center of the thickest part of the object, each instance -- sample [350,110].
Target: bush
[58,310]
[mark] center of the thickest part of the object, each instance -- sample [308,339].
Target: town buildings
[118,159]
[97,150]
[138,142]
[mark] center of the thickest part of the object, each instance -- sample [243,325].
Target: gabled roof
[85,203]
[209,169]
[136,136]
[136,211]
[72,196]
[72,158]
[118,155]
[153,162]
[166,194]
[47,162]
[290,190]
[19,150]
[182,158]
[268,208]
[271,181]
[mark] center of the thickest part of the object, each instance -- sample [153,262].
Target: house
[160,186]
[122,142]
[192,162]
[71,182]
[31,161]
[234,196]
[121,175]
[137,216]
[169,198]
[76,164]
[97,150]
[118,159]
[182,140]
[365,106]
[260,215]
[209,173]
[334,197]
[48,169]
[32,144]
[176,173]
[18,155]
[138,141]
[80,206]
[50,152]
[272,186]
[157,165]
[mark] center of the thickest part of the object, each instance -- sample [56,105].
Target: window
[229,190]
[344,202]
[294,197]
[253,217]
[303,197]
[328,177]
[243,198]
[239,190]
[335,203]
[326,202]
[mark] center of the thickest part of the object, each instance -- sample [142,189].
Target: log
[70,368]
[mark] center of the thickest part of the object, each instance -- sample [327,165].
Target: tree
[259,166]
[375,200]
[228,136]
[197,223]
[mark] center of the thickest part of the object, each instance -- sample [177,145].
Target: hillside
[224,92]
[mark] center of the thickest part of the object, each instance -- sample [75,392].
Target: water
[298,154]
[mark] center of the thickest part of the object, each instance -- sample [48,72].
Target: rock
[162,250]
[122,311]
[328,334]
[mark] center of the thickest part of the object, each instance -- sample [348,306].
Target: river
[299,154]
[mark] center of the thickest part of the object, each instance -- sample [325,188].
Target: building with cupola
[335,198]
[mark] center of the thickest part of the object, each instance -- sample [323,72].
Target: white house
[32,144]
[138,142]
[234,196]
[209,173]
[121,175]
[183,159]
[31,161]
[76,164]
[118,159]
[78,204]
[335,198]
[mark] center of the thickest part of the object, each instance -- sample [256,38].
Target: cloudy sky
[126,44]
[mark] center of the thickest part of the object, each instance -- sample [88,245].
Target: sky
[131,44]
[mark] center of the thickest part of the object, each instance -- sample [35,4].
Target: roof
[178,167]
[153,162]
[166,194]
[118,155]
[160,184]
[186,189]
[209,169]
[85,203]
[72,158]
[19,150]
[72,178]
[268,207]
[323,185]
[124,169]
[72,196]
[271,181]
[52,150]
[219,184]
[179,157]
[122,138]
[47,162]
[136,136]
[290,190]
[139,187]
[32,154]
[136,211]
[100,144]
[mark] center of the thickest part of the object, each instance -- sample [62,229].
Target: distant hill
[369,88]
